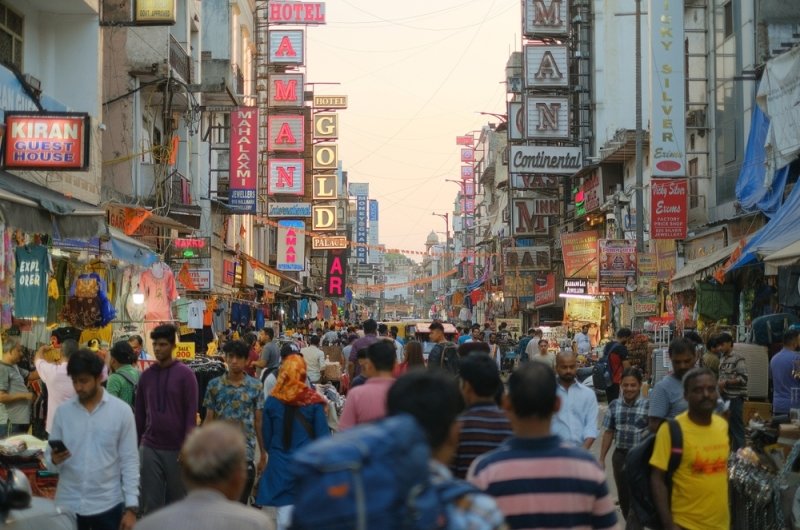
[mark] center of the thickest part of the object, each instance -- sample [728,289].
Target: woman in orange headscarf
[294,415]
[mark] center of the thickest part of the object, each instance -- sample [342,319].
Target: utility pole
[639,134]
[446,257]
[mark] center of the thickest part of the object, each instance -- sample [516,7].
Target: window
[694,192]
[728,19]
[10,36]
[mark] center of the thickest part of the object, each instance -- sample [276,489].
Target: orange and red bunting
[134,217]
[242,231]
[173,151]
[185,278]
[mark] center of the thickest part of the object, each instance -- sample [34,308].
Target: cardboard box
[752,407]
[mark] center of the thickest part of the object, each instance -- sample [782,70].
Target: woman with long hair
[412,357]
[294,416]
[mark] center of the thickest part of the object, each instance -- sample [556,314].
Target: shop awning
[698,269]
[34,208]
[281,275]
[130,250]
[782,258]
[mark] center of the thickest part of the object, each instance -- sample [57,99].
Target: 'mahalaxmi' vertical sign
[244,160]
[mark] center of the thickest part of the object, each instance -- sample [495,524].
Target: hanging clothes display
[220,318]
[158,286]
[195,314]
[30,292]
[88,305]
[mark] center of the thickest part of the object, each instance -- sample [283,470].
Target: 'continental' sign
[330,102]
[328,242]
[289,209]
[552,160]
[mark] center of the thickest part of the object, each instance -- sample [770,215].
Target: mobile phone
[57,445]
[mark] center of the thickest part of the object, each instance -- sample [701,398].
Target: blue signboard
[361,227]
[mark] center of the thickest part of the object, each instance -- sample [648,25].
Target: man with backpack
[616,357]
[538,480]
[699,485]
[444,354]
[367,402]
[392,474]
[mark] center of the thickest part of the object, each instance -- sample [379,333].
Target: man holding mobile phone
[93,448]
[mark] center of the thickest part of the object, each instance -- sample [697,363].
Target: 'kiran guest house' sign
[47,141]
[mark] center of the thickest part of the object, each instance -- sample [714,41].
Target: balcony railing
[238,77]
[179,60]
[180,189]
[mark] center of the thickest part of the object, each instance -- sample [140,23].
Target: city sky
[417,73]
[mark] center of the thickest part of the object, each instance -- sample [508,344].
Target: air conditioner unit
[696,118]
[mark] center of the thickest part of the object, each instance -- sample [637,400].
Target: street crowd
[437,443]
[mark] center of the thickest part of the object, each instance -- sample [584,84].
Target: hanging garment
[30,293]
[220,319]
[195,314]
[88,305]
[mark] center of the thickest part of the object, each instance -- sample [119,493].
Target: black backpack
[601,371]
[637,474]
[449,359]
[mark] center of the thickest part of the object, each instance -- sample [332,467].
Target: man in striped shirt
[483,426]
[538,480]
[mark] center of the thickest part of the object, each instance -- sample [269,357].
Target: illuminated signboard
[286,176]
[325,186]
[244,160]
[326,126]
[286,47]
[155,12]
[546,66]
[330,102]
[296,13]
[47,141]
[190,248]
[328,242]
[291,245]
[323,217]
[326,156]
[547,117]
[286,90]
[286,133]
[336,273]
[546,18]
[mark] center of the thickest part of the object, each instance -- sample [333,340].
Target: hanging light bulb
[138,298]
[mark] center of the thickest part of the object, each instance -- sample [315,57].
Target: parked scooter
[20,510]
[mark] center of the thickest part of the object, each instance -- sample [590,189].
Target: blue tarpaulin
[780,232]
[753,190]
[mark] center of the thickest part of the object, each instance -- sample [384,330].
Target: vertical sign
[286,90]
[373,237]
[291,245]
[286,133]
[616,264]
[244,160]
[286,46]
[667,85]
[669,208]
[361,228]
[336,273]
[544,290]
[546,18]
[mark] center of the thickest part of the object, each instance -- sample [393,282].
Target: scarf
[291,387]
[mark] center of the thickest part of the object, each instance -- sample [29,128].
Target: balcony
[238,77]
[179,60]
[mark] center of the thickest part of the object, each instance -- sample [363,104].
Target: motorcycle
[20,510]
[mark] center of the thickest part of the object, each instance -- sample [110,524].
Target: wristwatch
[133,509]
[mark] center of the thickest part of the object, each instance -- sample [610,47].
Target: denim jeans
[109,520]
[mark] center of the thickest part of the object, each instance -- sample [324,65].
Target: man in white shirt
[97,462]
[581,341]
[383,332]
[54,376]
[315,358]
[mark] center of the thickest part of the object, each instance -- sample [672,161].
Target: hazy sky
[417,73]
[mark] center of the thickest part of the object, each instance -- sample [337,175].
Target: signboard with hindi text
[579,250]
[616,265]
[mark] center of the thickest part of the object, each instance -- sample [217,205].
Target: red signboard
[544,290]
[244,160]
[228,271]
[465,140]
[296,13]
[669,211]
[336,276]
[286,133]
[47,140]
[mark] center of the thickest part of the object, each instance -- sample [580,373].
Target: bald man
[214,468]
[576,420]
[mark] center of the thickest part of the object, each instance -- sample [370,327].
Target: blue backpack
[372,476]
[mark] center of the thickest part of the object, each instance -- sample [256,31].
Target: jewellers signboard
[289,209]
[243,160]
[547,160]
[47,141]
[669,208]
[576,286]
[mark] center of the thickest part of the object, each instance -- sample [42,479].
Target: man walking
[733,387]
[482,426]
[15,399]
[782,369]
[370,337]
[270,358]
[523,344]
[698,499]
[236,397]
[538,480]
[55,377]
[166,412]
[575,421]
[315,358]
[367,402]
[617,353]
[581,341]
[444,354]
[667,397]
[543,354]
[213,465]
[625,423]
[99,466]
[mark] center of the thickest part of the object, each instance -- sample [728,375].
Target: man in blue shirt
[576,421]
[782,369]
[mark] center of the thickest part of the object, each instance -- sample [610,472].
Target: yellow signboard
[155,12]
[184,351]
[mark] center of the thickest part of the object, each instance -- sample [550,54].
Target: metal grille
[179,60]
